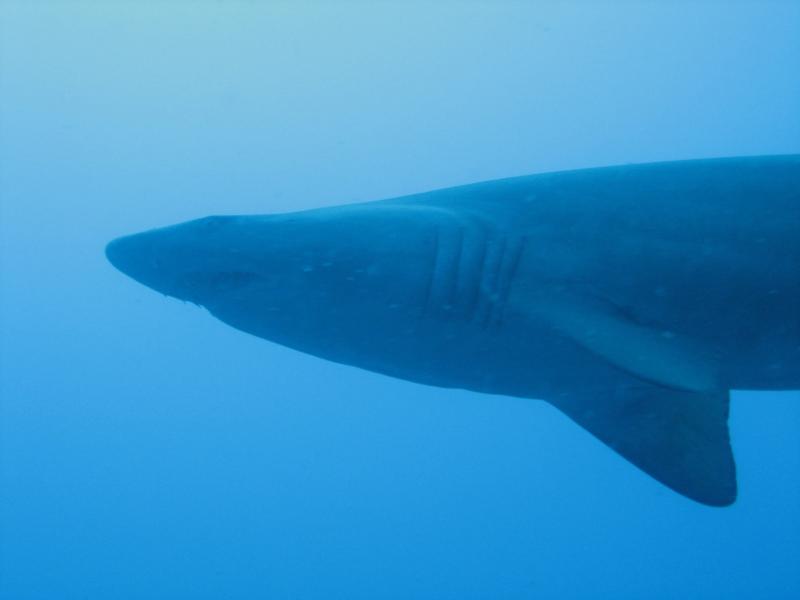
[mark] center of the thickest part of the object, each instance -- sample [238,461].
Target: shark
[632,298]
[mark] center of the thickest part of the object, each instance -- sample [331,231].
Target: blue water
[149,451]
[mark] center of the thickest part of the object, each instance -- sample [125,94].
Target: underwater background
[149,451]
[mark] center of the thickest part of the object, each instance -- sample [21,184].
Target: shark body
[632,298]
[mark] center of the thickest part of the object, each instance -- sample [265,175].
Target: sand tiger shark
[632,298]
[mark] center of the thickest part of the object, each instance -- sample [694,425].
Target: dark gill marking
[431,275]
[445,271]
[488,285]
[508,271]
[454,273]
[473,264]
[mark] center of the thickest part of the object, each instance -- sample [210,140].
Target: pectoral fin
[680,438]
[650,353]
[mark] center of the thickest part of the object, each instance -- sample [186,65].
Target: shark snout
[178,260]
[125,253]
[147,258]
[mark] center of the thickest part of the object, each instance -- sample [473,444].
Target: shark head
[309,280]
[191,261]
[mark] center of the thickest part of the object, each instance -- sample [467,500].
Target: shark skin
[632,298]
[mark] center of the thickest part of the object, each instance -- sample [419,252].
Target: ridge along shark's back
[632,298]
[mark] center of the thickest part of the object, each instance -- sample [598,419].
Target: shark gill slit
[454,274]
[494,258]
[508,270]
[444,272]
[426,299]
[471,267]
